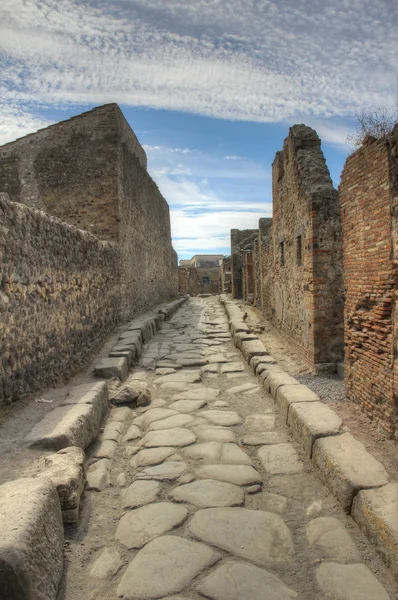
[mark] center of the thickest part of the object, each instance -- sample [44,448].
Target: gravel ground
[330,388]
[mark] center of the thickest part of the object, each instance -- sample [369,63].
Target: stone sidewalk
[207,495]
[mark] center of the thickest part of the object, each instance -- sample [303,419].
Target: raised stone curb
[312,420]
[346,467]
[75,424]
[31,540]
[287,395]
[112,367]
[376,513]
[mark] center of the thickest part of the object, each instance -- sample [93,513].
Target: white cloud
[260,61]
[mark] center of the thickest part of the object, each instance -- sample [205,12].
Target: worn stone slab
[233,367]
[276,379]
[88,393]
[237,474]
[180,377]
[170,470]
[330,540]
[280,459]
[152,415]
[178,420]
[198,393]
[216,452]
[98,475]
[178,436]
[260,423]
[309,421]
[221,417]
[254,535]
[376,513]
[112,431]
[187,406]
[253,348]
[73,425]
[105,449]
[31,539]
[121,414]
[243,336]
[217,358]
[140,526]
[272,502]
[177,559]
[348,582]
[112,367]
[293,394]
[208,493]
[346,467]
[66,470]
[151,456]
[264,438]
[192,362]
[106,565]
[133,433]
[244,387]
[129,355]
[214,434]
[212,369]
[236,581]
[140,493]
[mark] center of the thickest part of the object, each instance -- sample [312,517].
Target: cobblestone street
[208,496]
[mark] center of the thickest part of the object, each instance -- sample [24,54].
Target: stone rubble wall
[59,296]
[369,197]
[241,239]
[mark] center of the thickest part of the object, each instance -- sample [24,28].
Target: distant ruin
[200,275]
[82,222]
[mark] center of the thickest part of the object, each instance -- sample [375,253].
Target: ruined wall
[59,297]
[90,171]
[369,203]
[248,276]
[226,280]
[240,239]
[200,280]
[302,292]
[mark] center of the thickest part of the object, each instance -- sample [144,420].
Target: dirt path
[209,496]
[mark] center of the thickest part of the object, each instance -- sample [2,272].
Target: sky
[210,87]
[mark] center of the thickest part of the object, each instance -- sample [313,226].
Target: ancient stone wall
[302,290]
[201,280]
[369,203]
[59,297]
[241,239]
[226,281]
[90,171]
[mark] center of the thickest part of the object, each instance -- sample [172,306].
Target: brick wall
[369,198]
[59,298]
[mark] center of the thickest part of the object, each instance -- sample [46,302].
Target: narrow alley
[209,497]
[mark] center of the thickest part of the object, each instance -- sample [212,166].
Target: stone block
[310,421]
[241,336]
[88,393]
[376,513]
[346,467]
[73,425]
[237,325]
[112,367]
[98,475]
[127,354]
[253,348]
[66,469]
[31,540]
[286,395]
[280,459]
[147,329]
[276,379]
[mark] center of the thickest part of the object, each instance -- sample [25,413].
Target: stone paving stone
[121,414]
[105,449]
[178,560]
[260,422]
[244,387]
[133,433]
[254,535]
[168,437]
[331,541]
[346,467]
[177,420]
[221,417]
[238,474]
[210,368]
[31,540]
[312,420]
[142,525]
[280,459]
[240,581]
[181,377]
[272,502]
[151,456]
[106,565]
[233,367]
[154,414]
[208,493]
[208,433]
[192,362]
[167,471]
[165,371]
[348,582]
[266,438]
[217,358]
[188,406]
[376,513]
[216,452]
[111,367]
[112,431]
[98,475]
[221,404]
[156,403]
[197,393]
[140,493]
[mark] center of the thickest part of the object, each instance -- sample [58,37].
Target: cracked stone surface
[169,437]
[138,527]
[140,493]
[238,474]
[208,493]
